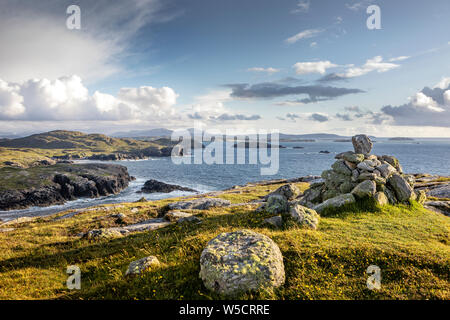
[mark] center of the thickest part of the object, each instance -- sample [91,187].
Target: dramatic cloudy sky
[300,66]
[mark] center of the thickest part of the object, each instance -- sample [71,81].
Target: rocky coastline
[59,183]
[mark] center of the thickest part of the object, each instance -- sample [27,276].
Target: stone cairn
[359,174]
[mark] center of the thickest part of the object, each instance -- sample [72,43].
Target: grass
[408,243]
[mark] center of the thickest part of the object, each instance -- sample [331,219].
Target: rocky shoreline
[59,183]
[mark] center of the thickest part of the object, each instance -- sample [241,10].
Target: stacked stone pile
[358,174]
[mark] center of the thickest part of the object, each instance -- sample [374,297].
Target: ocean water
[421,155]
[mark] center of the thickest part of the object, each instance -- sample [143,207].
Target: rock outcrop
[199,204]
[241,261]
[155,186]
[62,182]
[358,175]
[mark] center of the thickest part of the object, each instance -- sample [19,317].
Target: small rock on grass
[301,216]
[176,215]
[97,234]
[142,265]
[276,222]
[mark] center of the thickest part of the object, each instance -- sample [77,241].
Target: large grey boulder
[301,216]
[289,191]
[335,202]
[142,265]
[362,144]
[276,204]
[199,204]
[341,168]
[241,261]
[386,170]
[365,189]
[403,190]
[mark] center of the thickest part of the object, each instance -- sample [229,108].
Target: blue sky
[227,64]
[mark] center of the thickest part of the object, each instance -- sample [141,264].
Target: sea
[427,155]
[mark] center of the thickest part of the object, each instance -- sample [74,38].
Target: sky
[297,66]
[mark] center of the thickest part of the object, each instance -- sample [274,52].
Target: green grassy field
[30,150]
[408,243]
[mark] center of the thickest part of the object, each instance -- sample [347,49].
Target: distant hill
[159,132]
[61,139]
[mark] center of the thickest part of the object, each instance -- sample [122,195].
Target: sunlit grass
[408,243]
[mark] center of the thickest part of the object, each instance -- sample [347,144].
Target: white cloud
[11,102]
[401,58]
[306,34]
[313,67]
[302,7]
[67,99]
[356,6]
[447,97]
[269,70]
[428,107]
[374,64]
[443,84]
[313,44]
[420,100]
[36,43]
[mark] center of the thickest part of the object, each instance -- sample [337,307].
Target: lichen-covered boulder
[142,265]
[289,191]
[403,190]
[241,261]
[381,198]
[386,170]
[350,156]
[362,144]
[301,216]
[341,168]
[367,165]
[365,189]
[276,204]
[335,202]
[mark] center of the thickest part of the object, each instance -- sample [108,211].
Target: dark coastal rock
[153,186]
[66,182]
